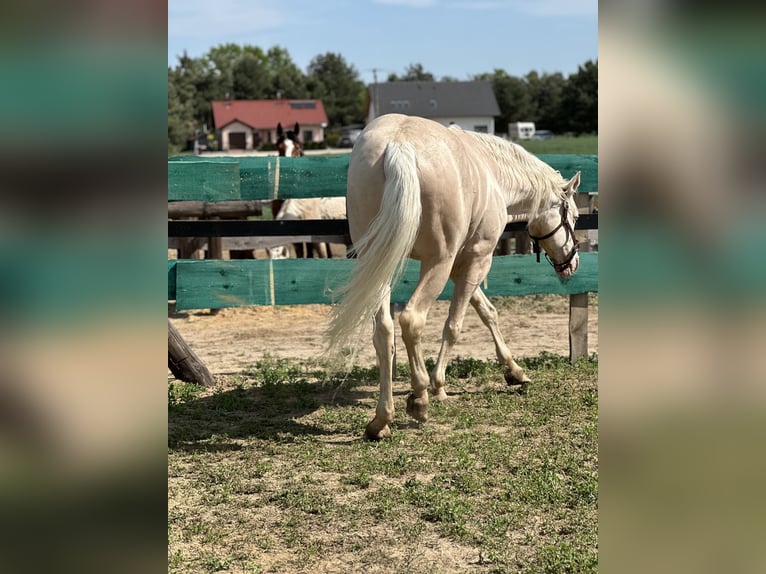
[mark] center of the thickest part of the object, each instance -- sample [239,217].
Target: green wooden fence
[215,283]
[195,284]
[248,178]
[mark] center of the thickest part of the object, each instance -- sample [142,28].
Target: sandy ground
[232,339]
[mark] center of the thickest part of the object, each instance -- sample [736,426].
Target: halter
[559,267]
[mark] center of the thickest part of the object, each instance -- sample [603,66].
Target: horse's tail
[383,249]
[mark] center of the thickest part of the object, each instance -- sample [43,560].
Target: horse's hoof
[418,408]
[519,378]
[439,396]
[375,432]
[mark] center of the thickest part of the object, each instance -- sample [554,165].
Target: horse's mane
[523,171]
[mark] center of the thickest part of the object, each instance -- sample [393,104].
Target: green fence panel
[308,176]
[203,181]
[212,284]
[325,176]
[569,164]
[172,278]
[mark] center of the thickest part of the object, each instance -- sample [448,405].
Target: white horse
[440,195]
[313,208]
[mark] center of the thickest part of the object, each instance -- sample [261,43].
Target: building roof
[435,99]
[266,114]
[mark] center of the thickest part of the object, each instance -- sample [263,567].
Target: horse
[443,196]
[314,208]
[288,143]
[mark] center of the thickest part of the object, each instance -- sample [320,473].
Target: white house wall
[236,127]
[469,123]
[466,122]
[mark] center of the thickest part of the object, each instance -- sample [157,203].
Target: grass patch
[269,473]
[586,144]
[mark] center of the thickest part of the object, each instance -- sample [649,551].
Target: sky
[448,37]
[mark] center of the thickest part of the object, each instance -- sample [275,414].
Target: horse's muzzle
[567,273]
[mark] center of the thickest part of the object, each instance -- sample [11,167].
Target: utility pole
[375,83]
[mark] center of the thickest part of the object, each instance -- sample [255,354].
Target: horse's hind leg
[383,340]
[514,374]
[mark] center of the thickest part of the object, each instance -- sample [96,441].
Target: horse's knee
[451,332]
[412,323]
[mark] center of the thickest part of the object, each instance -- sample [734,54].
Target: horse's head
[288,143]
[553,229]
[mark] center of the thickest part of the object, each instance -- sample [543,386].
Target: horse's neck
[525,194]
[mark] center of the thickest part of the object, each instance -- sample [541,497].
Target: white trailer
[521,130]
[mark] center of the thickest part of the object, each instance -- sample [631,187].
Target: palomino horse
[314,208]
[440,195]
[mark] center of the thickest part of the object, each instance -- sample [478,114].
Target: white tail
[382,251]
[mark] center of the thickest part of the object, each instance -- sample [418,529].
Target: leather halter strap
[559,267]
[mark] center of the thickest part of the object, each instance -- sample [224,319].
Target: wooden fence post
[183,362]
[578,326]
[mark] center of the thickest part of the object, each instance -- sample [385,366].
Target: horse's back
[451,174]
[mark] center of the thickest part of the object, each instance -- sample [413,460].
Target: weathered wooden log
[205,209]
[190,247]
[183,362]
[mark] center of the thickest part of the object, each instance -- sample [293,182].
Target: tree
[414,73]
[546,94]
[512,97]
[194,84]
[251,79]
[286,79]
[180,118]
[580,99]
[338,85]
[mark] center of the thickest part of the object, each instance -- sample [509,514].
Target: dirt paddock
[232,339]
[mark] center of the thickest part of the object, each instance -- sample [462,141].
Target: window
[481,129]
[308,135]
[400,105]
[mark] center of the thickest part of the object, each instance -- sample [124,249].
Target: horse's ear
[280,131]
[573,184]
[297,129]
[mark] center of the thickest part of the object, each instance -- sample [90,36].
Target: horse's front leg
[452,327]
[433,277]
[383,340]
[514,374]
[465,285]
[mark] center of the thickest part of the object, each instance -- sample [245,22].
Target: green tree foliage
[180,119]
[248,72]
[250,78]
[413,73]
[553,102]
[580,99]
[545,93]
[287,80]
[512,97]
[337,84]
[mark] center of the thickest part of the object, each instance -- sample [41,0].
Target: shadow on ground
[270,412]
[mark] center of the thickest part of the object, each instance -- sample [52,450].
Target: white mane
[522,171]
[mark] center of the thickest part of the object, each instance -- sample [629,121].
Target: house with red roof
[246,124]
